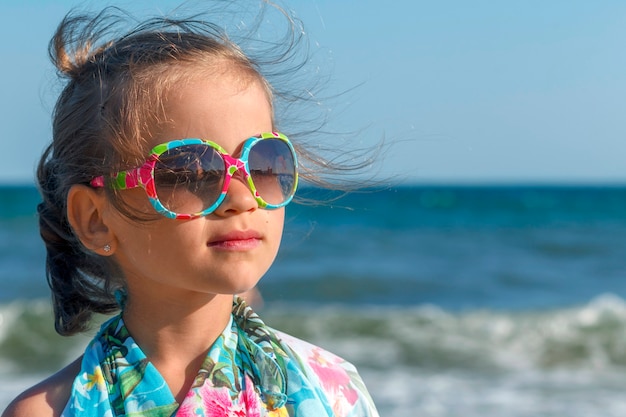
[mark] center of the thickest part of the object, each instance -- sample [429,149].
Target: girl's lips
[236,240]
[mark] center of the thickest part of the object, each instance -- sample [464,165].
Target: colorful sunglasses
[189,178]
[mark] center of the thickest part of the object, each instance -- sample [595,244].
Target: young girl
[163,196]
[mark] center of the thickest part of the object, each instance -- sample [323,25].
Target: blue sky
[479,91]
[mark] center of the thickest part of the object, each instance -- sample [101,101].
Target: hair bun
[75,42]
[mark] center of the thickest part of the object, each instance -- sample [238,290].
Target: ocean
[451,300]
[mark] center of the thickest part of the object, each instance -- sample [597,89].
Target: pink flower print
[331,375]
[335,381]
[250,399]
[217,403]
[189,406]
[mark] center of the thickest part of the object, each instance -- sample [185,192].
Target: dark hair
[102,119]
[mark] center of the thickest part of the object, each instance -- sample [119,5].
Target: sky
[462,92]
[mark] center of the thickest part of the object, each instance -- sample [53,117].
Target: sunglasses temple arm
[122,180]
[97,182]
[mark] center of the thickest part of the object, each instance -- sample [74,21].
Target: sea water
[473,301]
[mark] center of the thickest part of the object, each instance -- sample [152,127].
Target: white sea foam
[409,393]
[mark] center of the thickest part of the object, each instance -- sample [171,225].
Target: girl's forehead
[221,109]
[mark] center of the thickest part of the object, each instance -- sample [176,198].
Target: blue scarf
[251,370]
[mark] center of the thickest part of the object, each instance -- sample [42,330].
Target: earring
[107,248]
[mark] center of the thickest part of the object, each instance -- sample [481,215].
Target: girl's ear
[85,213]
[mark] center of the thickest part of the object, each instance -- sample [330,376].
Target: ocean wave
[591,336]
[567,361]
[28,342]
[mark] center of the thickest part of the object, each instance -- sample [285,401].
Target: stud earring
[107,248]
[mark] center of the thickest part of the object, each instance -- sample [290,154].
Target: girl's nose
[239,197]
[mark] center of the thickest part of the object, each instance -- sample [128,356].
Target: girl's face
[227,251]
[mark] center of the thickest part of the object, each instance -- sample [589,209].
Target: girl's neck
[177,336]
[158,324]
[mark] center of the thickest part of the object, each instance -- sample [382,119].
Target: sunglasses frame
[143,176]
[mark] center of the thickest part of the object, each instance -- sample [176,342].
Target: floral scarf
[251,370]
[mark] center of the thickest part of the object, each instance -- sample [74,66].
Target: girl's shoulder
[337,378]
[48,398]
[309,352]
[314,360]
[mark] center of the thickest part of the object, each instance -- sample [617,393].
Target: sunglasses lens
[189,179]
[273,170]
